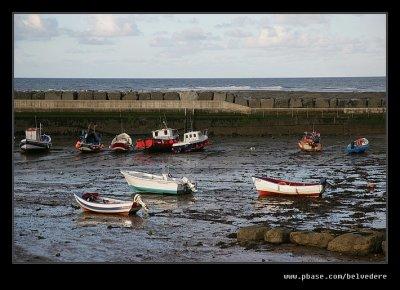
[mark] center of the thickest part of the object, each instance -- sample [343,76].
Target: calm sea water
[359,84]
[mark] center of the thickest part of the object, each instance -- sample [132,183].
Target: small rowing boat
[310,142]
[92,201]
[121,143]
[358,146]
[267,186]
[161,184]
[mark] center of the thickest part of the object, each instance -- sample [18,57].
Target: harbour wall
[223,114]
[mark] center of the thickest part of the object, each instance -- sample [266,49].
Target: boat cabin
[193,136]
[165,134]
[32,134]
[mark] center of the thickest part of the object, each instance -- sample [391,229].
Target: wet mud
[49,225]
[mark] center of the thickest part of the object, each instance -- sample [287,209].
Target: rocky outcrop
[99,95]
[253,233]
[85,95]
[144,96]
[205,96]
[113,95]
[219,96]
[277,236]
[313,239]
[129,96]
[188,96]
[267,103]
[359,243]
[171,96]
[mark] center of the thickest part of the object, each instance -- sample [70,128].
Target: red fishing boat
[311,142]
[161,140]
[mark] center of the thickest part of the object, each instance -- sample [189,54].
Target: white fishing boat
[162,184]
[192,141]
[267,186]
[92,201]
[35,141]
[121,143]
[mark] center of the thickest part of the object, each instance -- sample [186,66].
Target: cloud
[238,33]
[34,27]
[239,21]
[295,19]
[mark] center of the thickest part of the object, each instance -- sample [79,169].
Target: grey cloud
[34,27]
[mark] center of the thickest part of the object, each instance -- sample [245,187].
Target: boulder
[358,243]
[321,103]
[129,96]
[113,95]
[253,233]
[158,96]
[144,96]
[374,103]
[333,103]
[99,95]
[254,103]
[171,96]
[295,103]
[308,102]
[282,103]
[205,96]
[38,96]
[19,95]
[85,95]
[241,101]
[219,96]
[188,96]
[69,95]
[313,239]
[277,236]
[230,97]
[267,103]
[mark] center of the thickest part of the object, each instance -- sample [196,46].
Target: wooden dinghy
[267,186]
[92,201]
[162,184]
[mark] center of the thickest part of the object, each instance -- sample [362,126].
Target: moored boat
[121,143]
[192,141]
[358,146]
[161,140]
[162,184]
[267,186]
[92,201]
[310,142]
[35,141]
[89,141]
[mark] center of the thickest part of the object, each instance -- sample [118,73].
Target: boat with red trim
[267,186]
[192,141]
[161,140]
[311,142]
[121,143]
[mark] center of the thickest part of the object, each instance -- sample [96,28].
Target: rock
[219,96]
[69,95]
[205,96]
[321,103]
[254,103]
[40,237]
[277,236]
[333,103]
[359,243]
[158,96]
[241,101]
[38,96]
[188,96]
[295,103]
[253,233]
[171,96]
[308,102]
[282,103]
[267,103]
[113,95]
[58,255]
[313,239]
[129,96]
[99,95]
[198,244]
[232,236]
[374,103]
[18,95]
[144,96]
[230,97]
[85,95]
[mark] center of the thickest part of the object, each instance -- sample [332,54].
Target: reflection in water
[124,221]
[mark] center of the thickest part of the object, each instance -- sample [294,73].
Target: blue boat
[358,146]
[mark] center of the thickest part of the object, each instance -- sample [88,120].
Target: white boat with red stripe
[267,186]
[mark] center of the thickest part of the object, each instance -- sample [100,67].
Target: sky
[199,45]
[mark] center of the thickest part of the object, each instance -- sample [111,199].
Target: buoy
[252,148]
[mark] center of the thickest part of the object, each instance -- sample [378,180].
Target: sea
[322,84]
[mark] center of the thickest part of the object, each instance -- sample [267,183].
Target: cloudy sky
[199,45]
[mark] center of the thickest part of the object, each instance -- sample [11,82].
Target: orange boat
[310,142]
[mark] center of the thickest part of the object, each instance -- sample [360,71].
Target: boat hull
[88,148]
[120,147]
[34,146]
[190,147]
[155,145]
[270,187]
[305,146]
[357,149]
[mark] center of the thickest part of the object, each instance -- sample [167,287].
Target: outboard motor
[324,184]
[192,186]
[138,200]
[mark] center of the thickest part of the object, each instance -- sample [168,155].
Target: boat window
[165,132]
[190,135]
[194,135]
[156,133]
